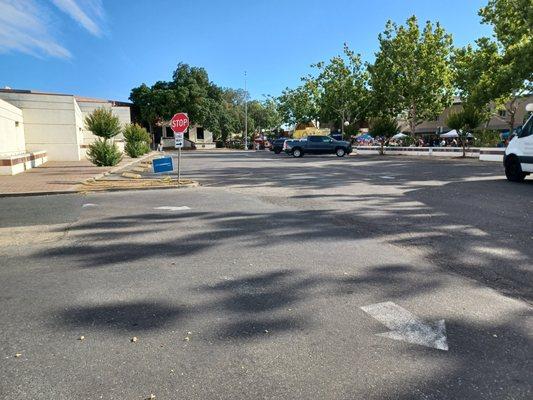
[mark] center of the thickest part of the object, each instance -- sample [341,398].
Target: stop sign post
[179,124]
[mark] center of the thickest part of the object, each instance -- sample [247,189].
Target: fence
[482,153]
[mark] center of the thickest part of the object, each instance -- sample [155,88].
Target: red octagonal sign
[179,122]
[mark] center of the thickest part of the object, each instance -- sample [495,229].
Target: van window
[527,128]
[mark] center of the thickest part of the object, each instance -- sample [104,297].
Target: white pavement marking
[386,177]
[407,327]
[171,208]
[89,205]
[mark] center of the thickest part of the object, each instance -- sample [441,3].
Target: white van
[518,159]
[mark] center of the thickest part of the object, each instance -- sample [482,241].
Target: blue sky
[103,48]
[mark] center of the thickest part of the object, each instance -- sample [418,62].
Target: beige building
[35,123]
[499,120]
[196,137]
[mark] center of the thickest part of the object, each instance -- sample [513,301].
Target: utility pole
[245,114]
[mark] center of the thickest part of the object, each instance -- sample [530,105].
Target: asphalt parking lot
[278,278]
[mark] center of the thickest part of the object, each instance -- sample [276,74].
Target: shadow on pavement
[121,317]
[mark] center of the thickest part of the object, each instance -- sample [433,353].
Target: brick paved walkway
[54,176]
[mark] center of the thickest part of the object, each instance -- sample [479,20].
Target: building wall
[87,107]
[206,142]
[51,123]
[11,130]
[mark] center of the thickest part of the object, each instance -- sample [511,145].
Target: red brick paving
[53,176]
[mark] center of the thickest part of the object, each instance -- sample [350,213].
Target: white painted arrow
[171,208]
[407,327]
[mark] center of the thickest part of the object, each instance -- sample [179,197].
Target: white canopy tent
[453,134]
[399,135]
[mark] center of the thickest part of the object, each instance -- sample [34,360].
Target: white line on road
[407,327]
[171,208]
[89,205]
[386,177]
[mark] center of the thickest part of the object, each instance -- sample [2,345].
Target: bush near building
[103,152]
[137,140]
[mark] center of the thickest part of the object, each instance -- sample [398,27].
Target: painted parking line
[89,205]
[386,177]
[172,208]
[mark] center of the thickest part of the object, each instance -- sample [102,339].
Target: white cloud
[88,13]
[26,25]
[23,27]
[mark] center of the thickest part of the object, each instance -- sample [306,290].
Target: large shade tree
[342,88]
[190,91]
[497,72]
[411,75]
[299,105]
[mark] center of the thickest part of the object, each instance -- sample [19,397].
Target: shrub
[486,138]
[103,153]
[136,149]
[136,133]
[103,123]
[137,140]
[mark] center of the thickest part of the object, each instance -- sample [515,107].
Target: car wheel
[277,151]
[513,170]
[340,152]
[297,153]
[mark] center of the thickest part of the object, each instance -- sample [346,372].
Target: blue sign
[163,164]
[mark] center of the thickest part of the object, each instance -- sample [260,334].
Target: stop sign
[179,122]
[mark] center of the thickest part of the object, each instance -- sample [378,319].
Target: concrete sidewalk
[56,177]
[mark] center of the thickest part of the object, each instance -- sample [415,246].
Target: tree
[103,124]
[496,73]
[411,73]
[383,127]
[190,91]
[299,105]
[264,114]
[463,122]
[341,86]
[137,140]
[512,21]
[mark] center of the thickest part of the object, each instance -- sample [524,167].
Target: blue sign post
[163,164]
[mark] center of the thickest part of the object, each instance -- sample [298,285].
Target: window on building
[199,133]
[16,123]
[169,132]
[502,113]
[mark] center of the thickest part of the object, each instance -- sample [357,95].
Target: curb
[118,168]
[33,194]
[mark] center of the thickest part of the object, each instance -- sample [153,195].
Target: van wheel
[513,170]
[340,152]
[297,153]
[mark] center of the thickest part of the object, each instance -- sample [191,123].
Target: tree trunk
[412,120]
[381,150]
[463,143]
[152,135]
[511,123]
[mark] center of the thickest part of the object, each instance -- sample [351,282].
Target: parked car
[518,159]
[317,145]
[277,145]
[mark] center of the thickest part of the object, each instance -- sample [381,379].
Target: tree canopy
[411,74]
[220,110]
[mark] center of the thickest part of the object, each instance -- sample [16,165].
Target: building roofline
[79,99]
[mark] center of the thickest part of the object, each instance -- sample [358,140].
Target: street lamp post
[245,114]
